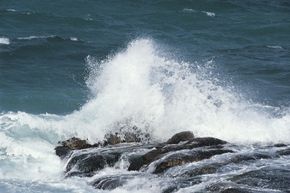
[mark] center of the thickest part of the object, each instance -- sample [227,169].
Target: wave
[211,14]
[188,10]
[5,41]
[139,86]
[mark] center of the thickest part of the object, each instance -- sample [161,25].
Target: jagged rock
[182,136]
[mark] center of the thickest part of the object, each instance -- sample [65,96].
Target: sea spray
[138,86]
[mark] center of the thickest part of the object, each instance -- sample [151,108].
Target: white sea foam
[11,10]
[188,10]
[73,39]
[275,47]
[4,40]
[35,37]
[211,14]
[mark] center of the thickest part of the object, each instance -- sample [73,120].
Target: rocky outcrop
[191,157]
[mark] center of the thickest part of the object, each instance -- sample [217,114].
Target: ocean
[218,68]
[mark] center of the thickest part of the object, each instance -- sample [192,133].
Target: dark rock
[126,135]
[111,182]
[182,136]
[62,151]
[112,139]
[208,169]
[162,149]
[280,145]
[136,163]
[235,190]
[284,151]
[75,143]
[183,158]
[71,144]
[88,163]
[268,177]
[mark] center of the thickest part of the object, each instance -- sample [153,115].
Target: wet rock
[284,151]
[126,135]
[62,151]
[208,169]
[76,143]
[88,163]
[65,147]
[280,145]
[112,182]
[162,149]
[112,139]
[188,157]
[182,136]
[235,190]
[272,178]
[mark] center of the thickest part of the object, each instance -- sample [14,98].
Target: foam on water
[136,86]
[4,40]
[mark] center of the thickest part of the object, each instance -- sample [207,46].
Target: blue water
[77,67]
[247,40]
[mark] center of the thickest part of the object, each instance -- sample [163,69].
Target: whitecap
[73,39]
[210,14]
[34,37]
[188,10]
[4,40]
[11,10]
[275,47]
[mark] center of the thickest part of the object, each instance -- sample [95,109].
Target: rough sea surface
[219,68]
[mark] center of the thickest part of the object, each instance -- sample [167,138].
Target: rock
[284,152]
[267,177]
[126,135]
[162,149]
[88,163]
[112,139]
[71,144]
[182,136]
[280,145]
[76,143]
[187,157]
[111,182]
[62,151]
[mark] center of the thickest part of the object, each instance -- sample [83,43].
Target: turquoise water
[81,68]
